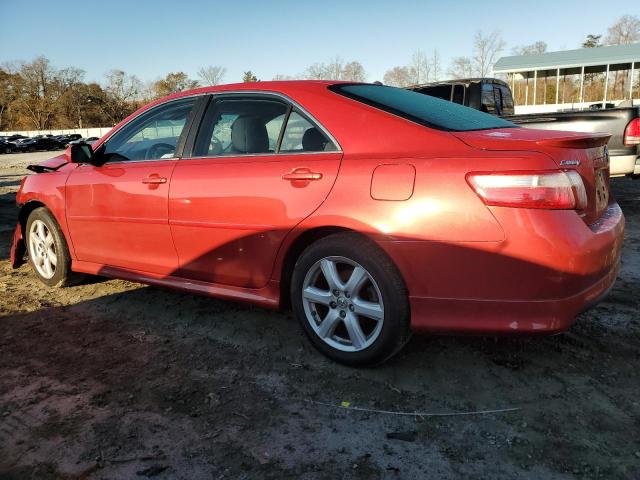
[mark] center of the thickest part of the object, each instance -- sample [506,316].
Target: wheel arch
[293,252]
[300,243]
[31,205]
[27,208]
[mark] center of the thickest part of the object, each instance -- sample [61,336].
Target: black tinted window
[423,109]
[458,94]
[440,91]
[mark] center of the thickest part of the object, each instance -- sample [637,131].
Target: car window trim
[191,120]
[292,104]
[283,128]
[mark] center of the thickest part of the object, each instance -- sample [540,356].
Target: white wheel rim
[42,249]
[343,304]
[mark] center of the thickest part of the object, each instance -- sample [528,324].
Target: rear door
[258,167]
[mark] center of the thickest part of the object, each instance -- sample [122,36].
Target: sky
[152,38]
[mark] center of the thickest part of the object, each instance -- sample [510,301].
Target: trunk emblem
[569,163]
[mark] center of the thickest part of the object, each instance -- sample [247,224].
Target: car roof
[279,86]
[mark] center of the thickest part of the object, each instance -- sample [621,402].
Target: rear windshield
[423,109]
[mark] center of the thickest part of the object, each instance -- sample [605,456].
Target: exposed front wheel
[48,251]
[350,300]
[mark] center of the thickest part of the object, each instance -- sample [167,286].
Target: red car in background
[373,211]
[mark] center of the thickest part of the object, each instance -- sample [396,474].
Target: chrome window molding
[289,100]
[218,94]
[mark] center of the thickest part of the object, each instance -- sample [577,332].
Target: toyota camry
[371,211]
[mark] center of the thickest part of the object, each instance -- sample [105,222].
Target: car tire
[48,251]
[361,327]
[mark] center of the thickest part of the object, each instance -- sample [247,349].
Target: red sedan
[372,211]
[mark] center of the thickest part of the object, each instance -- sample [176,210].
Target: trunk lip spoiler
[577,141]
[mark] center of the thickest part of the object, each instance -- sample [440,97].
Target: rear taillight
[632,133]
[563,190]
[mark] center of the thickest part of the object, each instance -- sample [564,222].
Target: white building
[573,79]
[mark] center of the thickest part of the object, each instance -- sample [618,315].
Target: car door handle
[302,174]
[154,180]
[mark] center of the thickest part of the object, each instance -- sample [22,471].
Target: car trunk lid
[585,153]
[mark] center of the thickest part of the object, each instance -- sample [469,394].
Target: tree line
[36,95]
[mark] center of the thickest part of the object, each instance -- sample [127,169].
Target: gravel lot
[112,379]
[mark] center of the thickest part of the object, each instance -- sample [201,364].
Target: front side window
[151,136]
[422,109]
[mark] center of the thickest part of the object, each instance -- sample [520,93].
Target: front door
[117,213]
[258,168]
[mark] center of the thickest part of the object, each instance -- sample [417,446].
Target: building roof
[570,58]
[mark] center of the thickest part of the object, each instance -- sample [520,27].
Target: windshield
[423,109]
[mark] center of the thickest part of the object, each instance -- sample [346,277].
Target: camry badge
[569,163]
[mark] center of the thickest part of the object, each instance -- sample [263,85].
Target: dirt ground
[112,379]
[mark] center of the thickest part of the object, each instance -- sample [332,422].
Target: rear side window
[240,126]
[236,126]
[302,136]
[423,109]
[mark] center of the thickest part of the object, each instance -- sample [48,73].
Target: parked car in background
[88,140]
[493,96]
[13,138]
[37,143]
[67,138]
[7,146]
[463,223]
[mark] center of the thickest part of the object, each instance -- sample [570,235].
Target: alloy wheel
[343,304]
[42,249]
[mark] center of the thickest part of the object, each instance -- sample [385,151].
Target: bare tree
[398,77]
[281,77]
[9,92]
[532,49]
[336,69]
[435,65]
[353,72]
[625,31]
[212,75]
[486,49]
[36,99]
[121,91]
[461,67]
[420,68]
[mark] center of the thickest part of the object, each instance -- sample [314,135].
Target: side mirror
[81,153]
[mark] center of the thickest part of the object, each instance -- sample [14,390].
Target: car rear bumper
[503,317]
[551,267]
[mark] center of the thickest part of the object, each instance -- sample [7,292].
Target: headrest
[313,141]
[249,135]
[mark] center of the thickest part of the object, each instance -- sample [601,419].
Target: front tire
[48,251]
[350,300]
